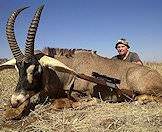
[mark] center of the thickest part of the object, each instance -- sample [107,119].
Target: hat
[122,41]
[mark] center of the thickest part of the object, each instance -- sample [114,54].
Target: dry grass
[102,117]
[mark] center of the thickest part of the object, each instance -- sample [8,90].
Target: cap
[122,41]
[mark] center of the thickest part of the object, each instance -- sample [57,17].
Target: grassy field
[103,117]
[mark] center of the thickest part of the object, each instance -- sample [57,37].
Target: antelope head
[29,67]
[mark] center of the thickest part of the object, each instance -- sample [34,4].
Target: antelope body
[57,76]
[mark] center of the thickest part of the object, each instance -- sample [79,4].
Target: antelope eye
[37,71]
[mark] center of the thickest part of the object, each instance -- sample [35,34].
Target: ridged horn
[11,35]
[29,45]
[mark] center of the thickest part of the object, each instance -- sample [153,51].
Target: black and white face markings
[33,73]
[29,83]
[30,75]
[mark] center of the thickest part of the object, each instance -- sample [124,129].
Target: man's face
[122,49]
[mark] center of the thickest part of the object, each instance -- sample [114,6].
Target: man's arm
[138,62]
[136,59]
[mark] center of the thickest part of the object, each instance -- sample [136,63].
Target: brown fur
[136,80]
[67,103]
[56,52]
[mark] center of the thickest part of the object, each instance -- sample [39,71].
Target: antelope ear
[9,64]
[54,64]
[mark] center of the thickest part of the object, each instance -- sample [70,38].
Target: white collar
[126,56]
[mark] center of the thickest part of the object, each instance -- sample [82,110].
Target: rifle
[105,81]
[100,79]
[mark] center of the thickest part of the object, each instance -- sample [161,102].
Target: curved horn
[59,66]
[11,35]
[29,45]
[56,65]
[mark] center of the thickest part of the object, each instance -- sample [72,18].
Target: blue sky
[89,24]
